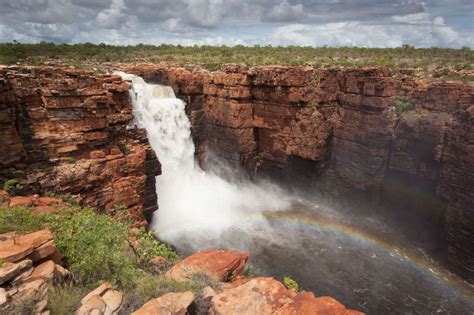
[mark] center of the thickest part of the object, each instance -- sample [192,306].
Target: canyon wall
[345,134]
[65,131]
[342,133]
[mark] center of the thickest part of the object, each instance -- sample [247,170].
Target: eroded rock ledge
[69,131]
[343,132]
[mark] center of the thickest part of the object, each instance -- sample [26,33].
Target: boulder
[4,297]
[101,301]
[24,274]
[9,271]
[35,239]
[257,296]
[25,282]
[269,296]
[20,201]
[94,305]
[32,290]
[307,303]
[221,265]
[38,245]
[11,252]
[46,250]
[171,303]
[97,291]
[44,271]
[61,272]
[113,300]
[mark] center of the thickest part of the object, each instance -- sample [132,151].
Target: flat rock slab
[18,247]
[10,270]
[221,265]
[257,296]
[171,303]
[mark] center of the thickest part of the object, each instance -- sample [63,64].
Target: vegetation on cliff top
[210,57]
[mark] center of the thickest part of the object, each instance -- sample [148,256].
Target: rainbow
[431,269]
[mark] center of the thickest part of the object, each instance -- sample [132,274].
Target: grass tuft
[291,284]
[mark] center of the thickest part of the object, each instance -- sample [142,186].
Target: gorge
[392,153]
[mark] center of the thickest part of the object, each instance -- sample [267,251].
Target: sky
[367,23]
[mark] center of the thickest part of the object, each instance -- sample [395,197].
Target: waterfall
[191,200]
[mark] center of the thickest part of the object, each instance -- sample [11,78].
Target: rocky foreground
[31,264]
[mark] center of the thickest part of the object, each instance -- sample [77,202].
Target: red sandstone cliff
[338,130]
[69,131]
[335,130]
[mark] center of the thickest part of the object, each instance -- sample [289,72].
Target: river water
[362,261]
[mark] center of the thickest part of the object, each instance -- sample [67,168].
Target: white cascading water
[191,200]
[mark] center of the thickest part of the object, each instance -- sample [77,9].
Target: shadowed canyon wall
[342,133]
[67,131]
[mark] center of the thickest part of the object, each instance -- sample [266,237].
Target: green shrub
[402,105]
[3,198]
[123,148]
[250,271]
[1,262]
[18,174]
[46,167]
[150,247]
[291,284]
[70,160]
[120,213]
[12,186]
[94,246]
[19,219]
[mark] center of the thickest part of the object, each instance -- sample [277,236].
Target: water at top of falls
[189,198]
[157,109]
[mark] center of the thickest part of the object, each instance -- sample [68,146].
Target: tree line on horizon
[211,57]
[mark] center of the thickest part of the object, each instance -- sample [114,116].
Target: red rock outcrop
[69,131]
[340,131]
[28,267]
[221,265]
[269,296]
[171,303]
[102,300]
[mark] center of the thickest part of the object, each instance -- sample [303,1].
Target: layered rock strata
[67,131]
[343,132]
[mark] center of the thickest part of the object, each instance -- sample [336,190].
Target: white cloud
[416,30]
[384,23]
[112,17]
[284,11]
